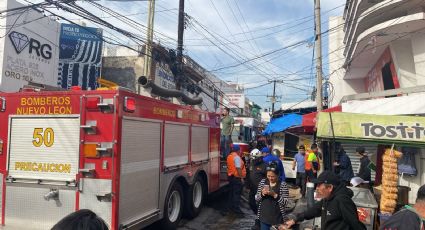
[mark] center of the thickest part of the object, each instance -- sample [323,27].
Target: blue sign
[80,56]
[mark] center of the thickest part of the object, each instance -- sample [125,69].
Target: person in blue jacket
[269,157]
[343,163]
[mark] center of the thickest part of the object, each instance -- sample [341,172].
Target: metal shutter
[176,144]
[199,142]
[140,154]
[350,149]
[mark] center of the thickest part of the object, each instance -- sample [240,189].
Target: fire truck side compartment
[140,161]
[176,146]
[199,143]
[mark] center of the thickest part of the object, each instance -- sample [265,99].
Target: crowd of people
[269,194]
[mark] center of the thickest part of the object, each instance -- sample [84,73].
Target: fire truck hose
[155,89]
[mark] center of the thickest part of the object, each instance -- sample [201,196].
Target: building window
[387,77]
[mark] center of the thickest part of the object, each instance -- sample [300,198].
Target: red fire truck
[131,159]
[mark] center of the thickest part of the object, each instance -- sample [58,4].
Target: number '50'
[46,136]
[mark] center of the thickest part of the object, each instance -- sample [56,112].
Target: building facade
[124,66]
[375,46]
[376,53]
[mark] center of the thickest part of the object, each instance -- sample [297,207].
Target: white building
[377,46]
[377,49]
[121,51]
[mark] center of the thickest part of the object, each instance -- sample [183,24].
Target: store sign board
[164,77]
[29,49]
[236,100]
[80,56]
[371,127]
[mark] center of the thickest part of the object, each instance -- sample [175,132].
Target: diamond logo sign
[19,41]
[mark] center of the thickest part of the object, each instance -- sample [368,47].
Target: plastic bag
[407,163]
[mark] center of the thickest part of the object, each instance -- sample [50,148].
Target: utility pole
[318,51]
[274,97]
[180,45]
[149,42]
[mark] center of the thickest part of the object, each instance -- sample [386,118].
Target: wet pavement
[214,216]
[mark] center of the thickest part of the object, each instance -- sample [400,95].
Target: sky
[250,42]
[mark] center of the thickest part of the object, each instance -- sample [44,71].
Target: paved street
[213,215]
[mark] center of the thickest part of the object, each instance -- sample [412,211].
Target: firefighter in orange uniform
[236,173]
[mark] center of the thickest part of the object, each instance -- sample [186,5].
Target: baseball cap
[265,150]
[360,149]
[327,177]
[357,180]
[236,148]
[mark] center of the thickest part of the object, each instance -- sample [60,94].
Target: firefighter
[227,126]
[236,173]
[258,172]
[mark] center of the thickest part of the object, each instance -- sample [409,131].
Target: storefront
[404,133]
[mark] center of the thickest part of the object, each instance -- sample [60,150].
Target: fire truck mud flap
[43,161]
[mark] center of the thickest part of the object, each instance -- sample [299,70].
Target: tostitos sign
[371,127]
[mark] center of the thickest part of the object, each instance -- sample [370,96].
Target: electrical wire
[14,23]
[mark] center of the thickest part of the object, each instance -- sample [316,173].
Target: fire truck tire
[195,198]
[173,207]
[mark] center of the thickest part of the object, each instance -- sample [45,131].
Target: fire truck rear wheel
[173,207]
[195,198]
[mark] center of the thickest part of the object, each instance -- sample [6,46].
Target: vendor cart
[366,206]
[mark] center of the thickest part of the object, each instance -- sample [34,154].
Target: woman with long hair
[272,197]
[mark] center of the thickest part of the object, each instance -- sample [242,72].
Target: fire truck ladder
[106,84]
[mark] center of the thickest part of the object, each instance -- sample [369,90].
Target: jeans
[252,202]
[225,145]
[235,193]
[265,226]
[311,175]
[300,182]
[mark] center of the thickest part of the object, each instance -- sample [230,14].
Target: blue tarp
[282,123]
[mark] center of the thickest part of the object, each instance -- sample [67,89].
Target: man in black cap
[364,170]
[336,209]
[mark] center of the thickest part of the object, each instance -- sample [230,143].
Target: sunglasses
[268,168]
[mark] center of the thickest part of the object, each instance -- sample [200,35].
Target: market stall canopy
[408,130]
[309,120]
[282,123]
[403,105]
